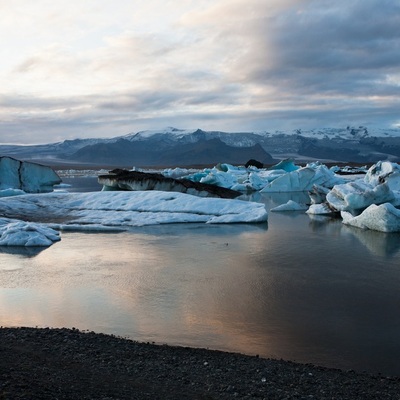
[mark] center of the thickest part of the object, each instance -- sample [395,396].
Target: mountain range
[178,147]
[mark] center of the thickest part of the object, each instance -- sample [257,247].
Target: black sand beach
[70,364]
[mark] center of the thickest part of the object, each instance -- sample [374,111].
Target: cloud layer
[105,69]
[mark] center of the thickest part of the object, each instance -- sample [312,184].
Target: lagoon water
[309,290]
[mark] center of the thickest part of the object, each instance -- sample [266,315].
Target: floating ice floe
[122,210]
[27,234]
[384,218]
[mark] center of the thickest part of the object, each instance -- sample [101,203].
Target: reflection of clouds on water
[379,243]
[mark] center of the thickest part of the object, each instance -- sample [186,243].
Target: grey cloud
[331,36]
[305,64]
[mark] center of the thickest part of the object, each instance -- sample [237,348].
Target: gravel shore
[70,364]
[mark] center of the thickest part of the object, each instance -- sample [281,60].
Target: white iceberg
[384,218]
[358,195]
[384,171]
[27,234]
[122,210]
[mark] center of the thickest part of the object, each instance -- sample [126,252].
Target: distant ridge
[157,153]
[181,147]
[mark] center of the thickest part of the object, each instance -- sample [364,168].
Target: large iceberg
[27,176]
[123,210]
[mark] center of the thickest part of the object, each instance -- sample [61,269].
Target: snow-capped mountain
[172,147]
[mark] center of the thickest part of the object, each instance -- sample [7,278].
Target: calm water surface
[299,289]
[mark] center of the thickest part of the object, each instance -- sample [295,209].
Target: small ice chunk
[290,206]
[21,233]
[320,209]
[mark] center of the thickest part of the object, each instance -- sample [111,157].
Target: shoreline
[46,363]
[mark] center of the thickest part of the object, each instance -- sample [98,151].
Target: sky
[97,68]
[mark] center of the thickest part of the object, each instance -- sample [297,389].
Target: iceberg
[384,171]
[220,178]
[318,194]
[121,210]
[358,195]
[303,179]
[27,176]
[384,218]
[367,203]
[27,234]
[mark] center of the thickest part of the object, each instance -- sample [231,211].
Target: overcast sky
[101,68]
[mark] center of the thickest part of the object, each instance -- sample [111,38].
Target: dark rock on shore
[69,364]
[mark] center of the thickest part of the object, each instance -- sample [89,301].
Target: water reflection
[379,243]
[287,291]
[311,290]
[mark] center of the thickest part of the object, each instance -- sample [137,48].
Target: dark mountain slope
[148,153]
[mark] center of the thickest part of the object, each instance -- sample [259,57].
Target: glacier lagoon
[300,288]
